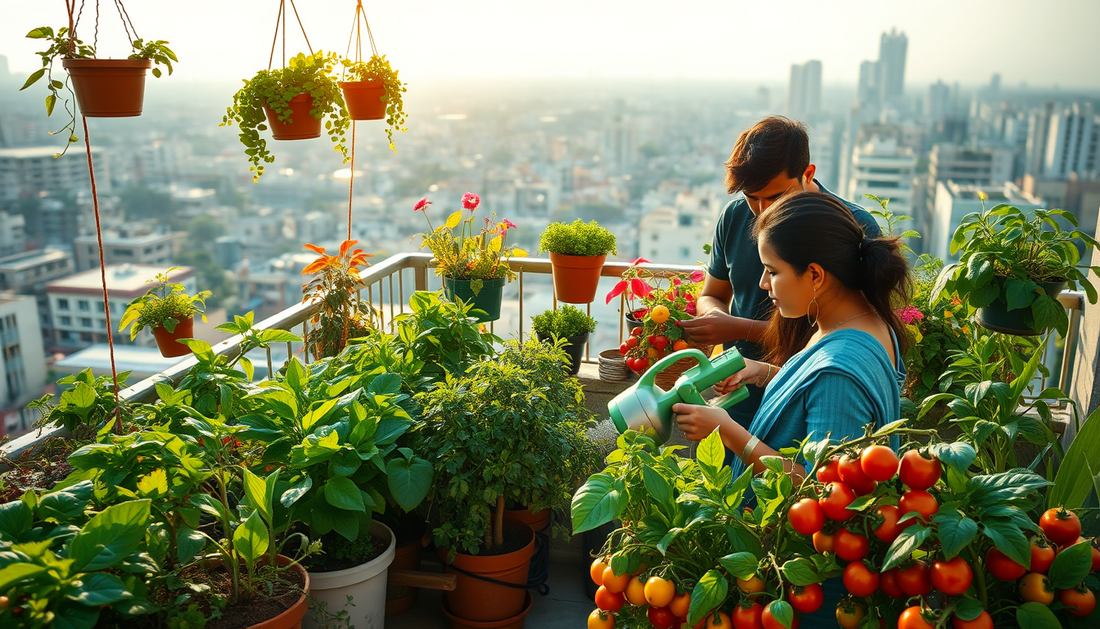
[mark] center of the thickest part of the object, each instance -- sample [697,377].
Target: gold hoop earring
[813,302]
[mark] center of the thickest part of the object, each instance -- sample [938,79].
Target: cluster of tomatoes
[666,608]
[641,350]
[838,530]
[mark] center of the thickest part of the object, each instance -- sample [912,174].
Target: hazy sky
[1042,42]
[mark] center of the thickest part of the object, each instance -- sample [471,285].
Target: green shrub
[566,322]
[578,239]
[162,307]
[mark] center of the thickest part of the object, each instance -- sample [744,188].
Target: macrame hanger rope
[95,37]
[127,23]
[300,25]
[275,39]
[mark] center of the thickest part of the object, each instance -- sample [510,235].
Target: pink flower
[690,309]
[470,201]
[505,225]
[698,276]
[676,281]
[909,314]
[638,261]
[422,204]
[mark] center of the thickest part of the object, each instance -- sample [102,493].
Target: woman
[834,346]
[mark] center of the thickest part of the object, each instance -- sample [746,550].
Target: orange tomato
[752,585]
[596,570]
[679,344]
[659,592]
[635,592]
[615,583]
[680,604]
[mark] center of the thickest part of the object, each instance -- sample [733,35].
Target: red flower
[470,201]
[698,276]
[422,204]
[637,261]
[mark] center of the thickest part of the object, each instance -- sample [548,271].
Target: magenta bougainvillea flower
[909,314]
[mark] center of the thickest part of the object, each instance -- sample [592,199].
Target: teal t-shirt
[735,259]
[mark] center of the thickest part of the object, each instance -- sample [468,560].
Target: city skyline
[701,39]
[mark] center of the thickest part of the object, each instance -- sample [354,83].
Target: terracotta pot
[400,598]
[302,125]
[539,521]
[292,617]
[364,99]
[108,88]
[515,622]
[166,341]
[576,277]
[481,601]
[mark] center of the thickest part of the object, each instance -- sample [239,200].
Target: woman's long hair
[811,227]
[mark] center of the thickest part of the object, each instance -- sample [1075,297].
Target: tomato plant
[835,500]
[851,474]
[748,616]
[829,472]
[918,501]
[849,614]
[912,618]
[851,546]
[1042,555]
[859,579]
[951,577]
[1000,566]
[1080,600]
[680,605]
[1035,588]
[608,601]
[661,618]
[635,592]
[615,583]
[983,621]
[806,599]
[774,611]
[915,580]
[823,542]
[659,592]
[888,582]
[887,529]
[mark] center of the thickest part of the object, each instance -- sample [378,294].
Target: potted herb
[571,326]
[292,101]
[577,253]
[1013,264]
[474,265]
[374,92]
[108,88]
[342,314]
[169,312]
[509,429]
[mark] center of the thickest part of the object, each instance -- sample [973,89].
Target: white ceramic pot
[365,584]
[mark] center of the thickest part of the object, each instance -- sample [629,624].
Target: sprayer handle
[647,378]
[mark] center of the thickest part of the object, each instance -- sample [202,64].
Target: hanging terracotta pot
[576,277]
[475,599]
[166,341]
[108,88]
[302,125]
[364,99]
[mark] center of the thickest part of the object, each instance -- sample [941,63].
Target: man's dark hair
[773,146]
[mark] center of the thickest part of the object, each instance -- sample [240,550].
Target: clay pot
[576,277]
[302,125]
[108,88]
[166,341]
[481,601]
[364,99]
[539,521]
[515,622]
[292,617]
[400,598]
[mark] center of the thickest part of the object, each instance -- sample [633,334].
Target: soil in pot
[302,125]
[337,553]
[285,593]
[41,467]
[167,342]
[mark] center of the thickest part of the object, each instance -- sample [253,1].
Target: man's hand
[713,327]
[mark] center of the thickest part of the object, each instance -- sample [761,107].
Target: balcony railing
[389,284]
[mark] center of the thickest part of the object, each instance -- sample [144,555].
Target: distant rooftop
[35,151]
[123,278]
[115,238]
[140,360]
[31,258]
[1008,193]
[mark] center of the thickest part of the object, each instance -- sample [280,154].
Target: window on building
[66,335]
[148,250]
[84,305]
[656,237]
[101,323]
[86,337]
[85,322]
[685,220]
[65,320]
[62,304]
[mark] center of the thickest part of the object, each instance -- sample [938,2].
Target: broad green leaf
[1071,566]
[317,414]
[188,544]
[711,452]
[783,613]
[97,589]
[600,500]
[15,519]
[37,74]
[904,545]
[153,485]
[409,481]
[958,455]
[260,493]
[110,536]
[1009,539]
[968,608]
[250,538]
[740,565]
[16,572]
[73,615]
[1072,483]
[345,462]
[1018,294]
[955,530]
[342,493]
[657,486]
[296,491]
[1036,616]
[708,594]
[800,571]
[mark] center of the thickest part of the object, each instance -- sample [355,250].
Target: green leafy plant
[62,45]
[342,314]
[1005,254]
[566,322]
[509,429]
[88,401]
[442,337]
[577,239]
[377,68]
[164,306]
[305,74]
[467,256]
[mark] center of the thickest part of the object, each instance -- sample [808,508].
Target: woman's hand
[697,421]
[753,371]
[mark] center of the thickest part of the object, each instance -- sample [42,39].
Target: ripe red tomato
[830,472]
[658,340]
[662,618]
[911,619]
[750,617]
[615,583]
[600,619]
[1080,601]
[1000,566]
[952,577]
[596,570]
[1035,588]
[983,621]
[1042,555]
[859,580]
[879,463]
[889,529]
[1095,555]
[918,472]
[635,331]
[608,601]
[632,342]
[824,543]
[807,599]
[1060,526]
[835,500]
[851,474]
[914,580]
[641,364]
[770,621]
[919,501]
[888,583]
[624,348]
[851,546]
[806,516]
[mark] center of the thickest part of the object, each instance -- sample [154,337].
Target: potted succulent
[168,311]
[1013,264]
[342,314]
[577,253]
[510,429]
[292,101]
[374,93]
[107,88]
[569,325]
[474,266]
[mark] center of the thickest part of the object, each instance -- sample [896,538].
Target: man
[769,160]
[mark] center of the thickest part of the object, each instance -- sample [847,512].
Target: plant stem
[979,573]
[498,524]
[234,566]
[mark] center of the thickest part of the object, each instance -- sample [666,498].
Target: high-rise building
[990,167]
[1073,143]
[28,273]
[13,236]
[954,201]
[22,363]
[1038,128]
[891,65]
[867,92]
[885,169]
[804,93]
[939,104]
[138,246]
[29,171]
